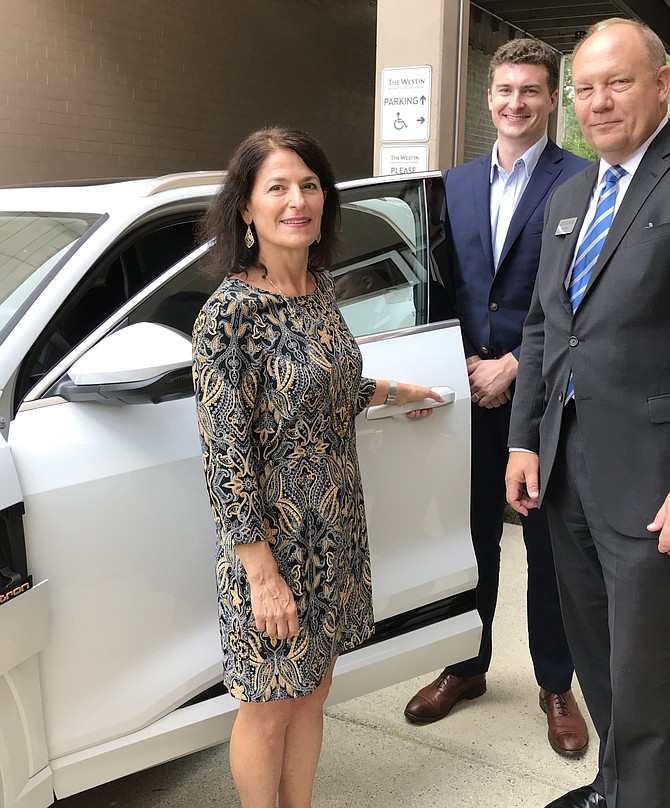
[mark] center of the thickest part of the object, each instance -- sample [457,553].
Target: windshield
[31,244]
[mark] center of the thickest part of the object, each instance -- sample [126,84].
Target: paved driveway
[489,753]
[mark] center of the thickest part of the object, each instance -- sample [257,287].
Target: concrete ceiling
[557,21]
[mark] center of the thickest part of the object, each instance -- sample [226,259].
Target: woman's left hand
[414,392]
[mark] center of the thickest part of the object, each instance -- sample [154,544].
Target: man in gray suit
[590,429]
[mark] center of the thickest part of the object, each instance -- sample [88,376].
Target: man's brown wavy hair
[527,51]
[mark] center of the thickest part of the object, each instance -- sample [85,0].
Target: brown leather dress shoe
[567,731]
[435,700]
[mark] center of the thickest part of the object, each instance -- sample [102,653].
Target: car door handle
[388,410]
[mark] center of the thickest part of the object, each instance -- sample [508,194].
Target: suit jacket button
[560,397]
[573,342]
[493,306]
[484,351]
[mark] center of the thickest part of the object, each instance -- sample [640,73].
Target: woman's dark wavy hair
[223,222]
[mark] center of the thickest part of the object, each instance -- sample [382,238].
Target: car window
[389,272]
[381,270]
[177,302]
[142,258]
[126,269]
[31,244]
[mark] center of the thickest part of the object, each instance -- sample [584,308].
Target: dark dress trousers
[492,306]
[605,466]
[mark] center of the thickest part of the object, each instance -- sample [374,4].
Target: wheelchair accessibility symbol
[399,123]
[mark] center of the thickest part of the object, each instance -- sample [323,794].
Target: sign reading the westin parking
[405,103]
[403,159]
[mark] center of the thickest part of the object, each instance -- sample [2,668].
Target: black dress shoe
[584,797]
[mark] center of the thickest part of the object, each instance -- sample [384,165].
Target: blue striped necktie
[590,247]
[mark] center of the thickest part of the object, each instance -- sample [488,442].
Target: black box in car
[14,578]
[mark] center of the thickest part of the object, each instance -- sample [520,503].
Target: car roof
[104,196]
[99,196]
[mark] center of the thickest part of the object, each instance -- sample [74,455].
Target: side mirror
[140,364]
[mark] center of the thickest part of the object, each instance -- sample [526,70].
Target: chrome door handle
[389,410]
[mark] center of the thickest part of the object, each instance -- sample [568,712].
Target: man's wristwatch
[392,393]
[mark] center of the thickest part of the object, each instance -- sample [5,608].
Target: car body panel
[10,491]
[137,622]
[25,774]
[407,462]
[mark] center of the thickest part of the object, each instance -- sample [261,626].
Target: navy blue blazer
[492,306]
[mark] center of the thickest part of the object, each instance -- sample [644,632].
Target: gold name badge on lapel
[565,226]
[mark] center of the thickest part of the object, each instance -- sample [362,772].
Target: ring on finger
[475,396]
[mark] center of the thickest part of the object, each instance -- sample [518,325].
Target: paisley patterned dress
[278,385]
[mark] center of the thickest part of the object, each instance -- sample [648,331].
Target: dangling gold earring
[249,239]
[318,238]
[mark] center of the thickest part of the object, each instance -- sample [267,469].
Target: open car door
[394,293]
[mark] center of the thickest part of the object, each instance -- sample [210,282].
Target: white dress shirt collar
[529,158]
[632,163]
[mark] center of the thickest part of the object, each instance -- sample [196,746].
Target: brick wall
[480,133]
[106,88]
[486,35]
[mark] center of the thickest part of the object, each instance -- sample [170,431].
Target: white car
[109,643]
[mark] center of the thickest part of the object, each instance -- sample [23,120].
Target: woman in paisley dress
[278,385]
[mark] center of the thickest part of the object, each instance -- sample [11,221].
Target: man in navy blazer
[493,222]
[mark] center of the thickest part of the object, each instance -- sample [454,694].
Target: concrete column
[414,33]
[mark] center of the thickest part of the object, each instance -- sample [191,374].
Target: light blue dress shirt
[507,190]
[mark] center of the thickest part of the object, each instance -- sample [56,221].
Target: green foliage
[573,140]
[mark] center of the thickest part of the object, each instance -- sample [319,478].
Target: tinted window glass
[31,244]
[380,274]
[177,303]
[386,272]
[124,270]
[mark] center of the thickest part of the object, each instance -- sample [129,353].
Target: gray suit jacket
[617,344]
